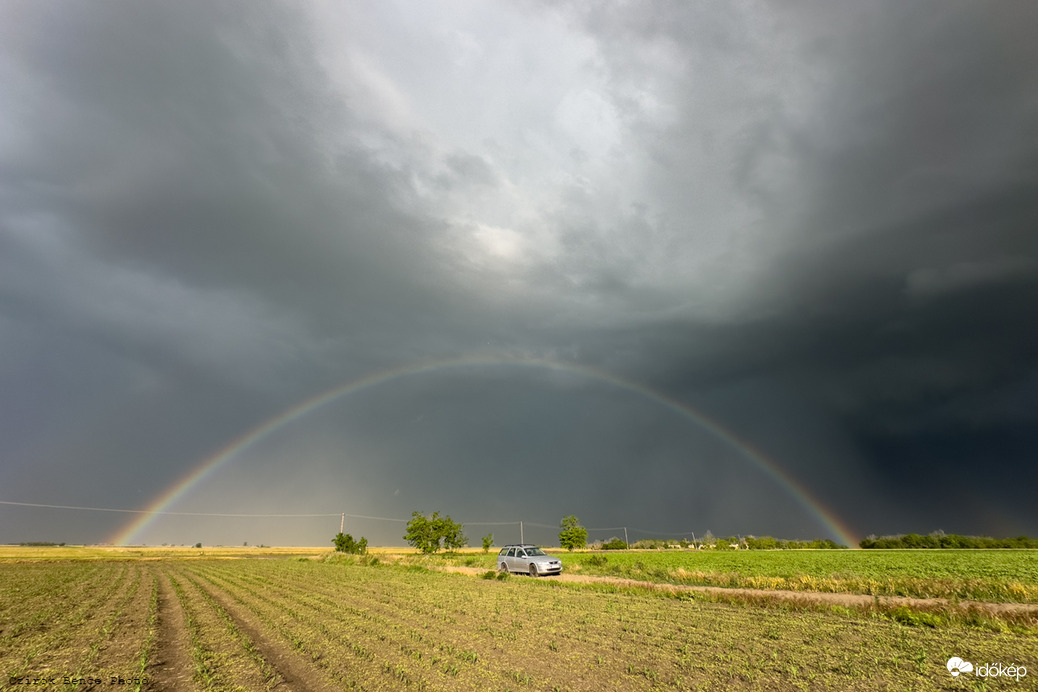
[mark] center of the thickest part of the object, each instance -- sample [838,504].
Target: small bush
[489,574]
[913,618]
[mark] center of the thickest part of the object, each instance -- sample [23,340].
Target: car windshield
[531,552]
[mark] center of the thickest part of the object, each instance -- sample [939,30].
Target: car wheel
[533,570]
[502,567]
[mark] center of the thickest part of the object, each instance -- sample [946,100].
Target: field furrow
[327,644]
[223,656]
[295,670]
[428,647]
[170,667]
[527,633]
[281,624]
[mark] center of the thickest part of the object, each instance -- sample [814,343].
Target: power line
[181,514]
[363,516]
[330,514]
[659,533]
[543,526]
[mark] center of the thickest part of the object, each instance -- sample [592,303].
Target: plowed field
[310,625]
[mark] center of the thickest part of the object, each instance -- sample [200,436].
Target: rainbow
[130,533]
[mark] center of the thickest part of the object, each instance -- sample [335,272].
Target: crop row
[258,624]
[223,656]
[371,628]
[74,621]
[366,644]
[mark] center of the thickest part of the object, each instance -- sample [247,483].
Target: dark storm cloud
[899,204]
[815,223]
[183,147]
[205,148]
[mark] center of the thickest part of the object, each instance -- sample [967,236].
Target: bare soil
[172,668]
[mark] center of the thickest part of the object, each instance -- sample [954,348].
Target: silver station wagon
[529,559]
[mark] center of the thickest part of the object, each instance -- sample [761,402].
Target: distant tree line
[939,539]
[41,544]
[769,543]
[708,542]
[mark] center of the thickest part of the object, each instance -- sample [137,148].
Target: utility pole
[342,522]
[522,539]
[626,542]
[693,539]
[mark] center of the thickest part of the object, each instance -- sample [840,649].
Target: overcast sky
[815,224]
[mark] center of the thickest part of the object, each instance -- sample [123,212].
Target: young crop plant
[104,633]
[148,645]
[200,654]
[270,676]
[57,624]
[299,616]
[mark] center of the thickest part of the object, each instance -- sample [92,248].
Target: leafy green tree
[421,532]
[450,533]
[488,541]
[427,533]
[573,535]
[344,543]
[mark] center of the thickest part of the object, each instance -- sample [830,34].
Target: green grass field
[1005,576]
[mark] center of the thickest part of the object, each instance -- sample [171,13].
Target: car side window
[521,553]
[511,552]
